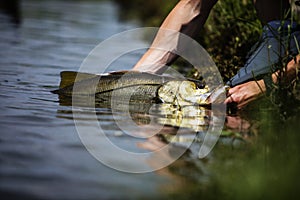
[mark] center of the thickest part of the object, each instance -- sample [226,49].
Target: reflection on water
[42,156]
[40,152]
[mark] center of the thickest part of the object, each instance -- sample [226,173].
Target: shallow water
[42,156]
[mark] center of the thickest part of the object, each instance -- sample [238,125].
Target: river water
[42,156]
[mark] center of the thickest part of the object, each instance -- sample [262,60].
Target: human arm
[247,92]
[187,17]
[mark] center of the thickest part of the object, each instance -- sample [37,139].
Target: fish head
[183,93]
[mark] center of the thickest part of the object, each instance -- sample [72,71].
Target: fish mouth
[183,93]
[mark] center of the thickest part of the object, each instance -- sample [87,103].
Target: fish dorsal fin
[124,72]
[69,77]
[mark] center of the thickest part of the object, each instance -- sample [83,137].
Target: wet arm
[187,17]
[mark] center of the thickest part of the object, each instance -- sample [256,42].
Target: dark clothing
[279,39]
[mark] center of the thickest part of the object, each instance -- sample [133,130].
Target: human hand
[245,93]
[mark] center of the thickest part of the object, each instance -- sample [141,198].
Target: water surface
[42,156]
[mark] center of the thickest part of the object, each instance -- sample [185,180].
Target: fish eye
[200,84]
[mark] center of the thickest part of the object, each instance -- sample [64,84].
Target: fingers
[235,97]
[230,97]
[244,93]
[234,90]
[240,98]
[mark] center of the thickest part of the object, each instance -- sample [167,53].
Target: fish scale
[128,86]
[106,83]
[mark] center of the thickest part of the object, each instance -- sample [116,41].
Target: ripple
[40,151]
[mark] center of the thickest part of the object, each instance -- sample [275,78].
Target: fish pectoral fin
[69,77]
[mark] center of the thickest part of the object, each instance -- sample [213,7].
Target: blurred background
[41,155]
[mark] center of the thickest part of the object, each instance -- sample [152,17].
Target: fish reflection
[180,130]
[195,118]
[192,120]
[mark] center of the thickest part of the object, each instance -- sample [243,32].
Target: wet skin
[188,17]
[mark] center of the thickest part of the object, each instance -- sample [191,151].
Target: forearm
[289,74]
[244,93]
[188,17]
[285,76]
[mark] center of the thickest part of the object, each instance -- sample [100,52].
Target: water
[41,153]
[42,156]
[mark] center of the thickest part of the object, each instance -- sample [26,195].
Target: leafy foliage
[228,34]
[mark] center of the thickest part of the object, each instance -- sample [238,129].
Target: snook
[134,85]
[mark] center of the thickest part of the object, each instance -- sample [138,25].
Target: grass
[228,36]
[259,171]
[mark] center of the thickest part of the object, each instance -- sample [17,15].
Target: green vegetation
[269,168]
[230,32]
[228,35]
[150,13]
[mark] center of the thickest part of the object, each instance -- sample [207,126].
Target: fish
[105,82]
[120,84]
[134,85]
